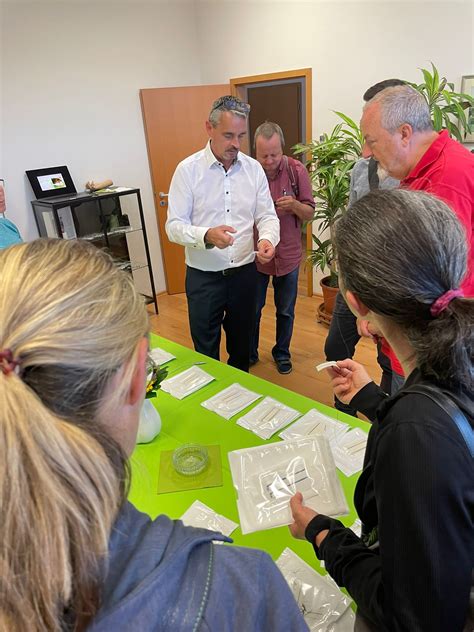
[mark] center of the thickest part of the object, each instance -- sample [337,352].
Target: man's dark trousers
[222,299]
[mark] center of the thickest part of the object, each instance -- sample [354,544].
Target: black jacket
[415,496]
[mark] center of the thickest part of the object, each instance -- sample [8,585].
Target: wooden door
[174,121]
[280,103]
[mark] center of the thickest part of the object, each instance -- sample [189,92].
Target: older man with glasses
[216,197]
[291,191]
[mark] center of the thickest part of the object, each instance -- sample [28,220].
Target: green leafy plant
[449,109]
[331,159]
[155,375]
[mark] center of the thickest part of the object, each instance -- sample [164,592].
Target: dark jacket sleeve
[420,581]
[368,399]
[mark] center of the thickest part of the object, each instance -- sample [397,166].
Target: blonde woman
[74,554]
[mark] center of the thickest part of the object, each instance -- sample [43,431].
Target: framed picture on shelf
[467,87]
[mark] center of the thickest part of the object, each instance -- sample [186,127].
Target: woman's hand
[302,516]
[347,379]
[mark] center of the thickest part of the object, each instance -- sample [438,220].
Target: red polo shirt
[446,170]
[288,253]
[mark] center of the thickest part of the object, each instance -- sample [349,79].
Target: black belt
[228,271]
[231,271]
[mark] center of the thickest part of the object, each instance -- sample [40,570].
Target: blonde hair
[73,320]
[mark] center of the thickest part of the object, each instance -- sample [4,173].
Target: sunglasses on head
[232,103]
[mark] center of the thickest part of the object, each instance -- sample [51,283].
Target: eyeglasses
[231,103]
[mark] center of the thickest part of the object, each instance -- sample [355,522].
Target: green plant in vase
[155,375]
[150,420]
[331,160]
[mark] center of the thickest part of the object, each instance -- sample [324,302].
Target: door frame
[237,88]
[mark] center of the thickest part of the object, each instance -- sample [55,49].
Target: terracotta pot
[329,295]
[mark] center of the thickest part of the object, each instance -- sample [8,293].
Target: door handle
[162,195]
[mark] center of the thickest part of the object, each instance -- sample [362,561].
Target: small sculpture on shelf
[97,186]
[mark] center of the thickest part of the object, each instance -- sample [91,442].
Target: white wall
[72,71]
[349,45]
[71,78]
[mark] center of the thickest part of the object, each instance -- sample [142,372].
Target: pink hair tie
[7,363]
[443,301]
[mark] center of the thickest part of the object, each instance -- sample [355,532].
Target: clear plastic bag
[160,356]
[231,401]
[324,607]
[268,417]
[315,423]
[186,382]
[267,476]
[349,451]
[200,515]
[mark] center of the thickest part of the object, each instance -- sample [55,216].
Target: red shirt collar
[430,156]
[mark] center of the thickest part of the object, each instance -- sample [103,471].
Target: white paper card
[187,382]
[200,515]
[231,400]
[160,356]
[325,365]
[268,417]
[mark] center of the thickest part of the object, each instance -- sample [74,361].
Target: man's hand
[265,251]
[220,236]
[302,516]
[347,379]
[286,204]
[367,329]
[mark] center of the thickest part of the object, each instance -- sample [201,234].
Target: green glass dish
[190,459]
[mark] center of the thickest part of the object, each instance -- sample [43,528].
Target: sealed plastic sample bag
[324,607]
[267,476]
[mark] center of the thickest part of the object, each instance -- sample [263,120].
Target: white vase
[150,423]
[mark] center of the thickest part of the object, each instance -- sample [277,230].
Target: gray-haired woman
[402,257]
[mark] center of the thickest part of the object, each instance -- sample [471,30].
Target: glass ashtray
[190,459]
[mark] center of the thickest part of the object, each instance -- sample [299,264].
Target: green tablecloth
[186,421]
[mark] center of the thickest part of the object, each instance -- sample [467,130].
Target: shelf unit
[112,222]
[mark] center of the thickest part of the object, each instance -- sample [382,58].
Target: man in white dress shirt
[216,197]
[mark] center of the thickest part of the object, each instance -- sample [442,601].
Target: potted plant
[331,161]
[448,108]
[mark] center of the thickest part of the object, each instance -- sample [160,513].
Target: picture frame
[467,87]
[51,182]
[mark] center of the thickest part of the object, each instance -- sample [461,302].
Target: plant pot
[150,423]
[329,294]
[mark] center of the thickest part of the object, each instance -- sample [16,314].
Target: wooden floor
[307,346]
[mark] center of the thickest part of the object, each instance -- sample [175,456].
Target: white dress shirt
[203,195]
